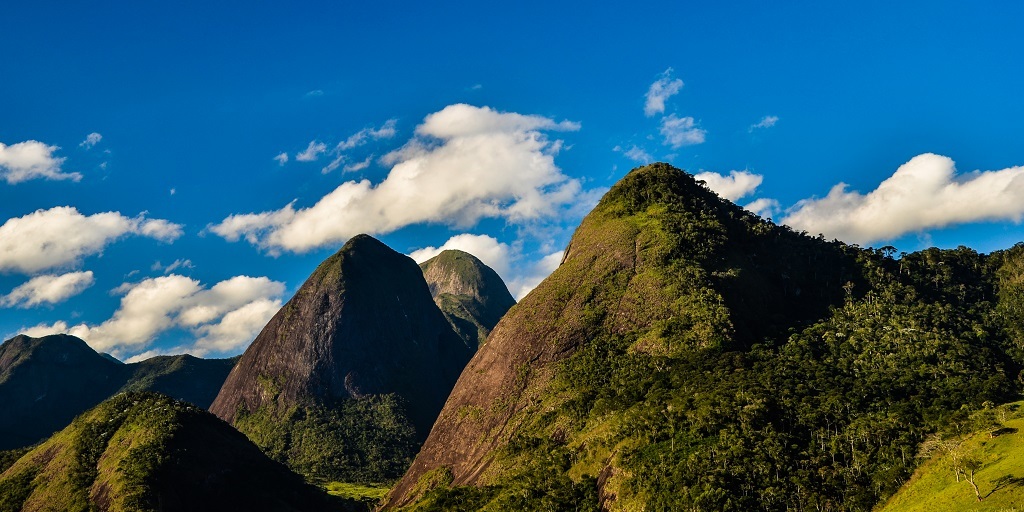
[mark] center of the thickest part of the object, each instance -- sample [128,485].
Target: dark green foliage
[15,489]
[9,457]
[364,440]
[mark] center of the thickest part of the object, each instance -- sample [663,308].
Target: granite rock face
[361,334]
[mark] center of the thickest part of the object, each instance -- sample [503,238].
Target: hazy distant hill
[144,451]
[688,355]
[470,294]
[45,382]
[346,380]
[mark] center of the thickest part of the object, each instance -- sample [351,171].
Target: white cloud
[315,93]
[386,131]
[465,163]
[30,160]
[486,248]
[235,329]
[281,158]
[61,236]
[736,185]
[763,207]
[312,152]
[91,140]
[360,138]
[49,288]
[222,317]
[681,131]
[765,122]
[175,265]
[924,193]
[358,166]
[635,154]
[159,229]
[41,330]
[661,90]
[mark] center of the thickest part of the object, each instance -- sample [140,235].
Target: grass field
[371,494]
[998,455]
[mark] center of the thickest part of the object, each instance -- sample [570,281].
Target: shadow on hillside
[1004,482]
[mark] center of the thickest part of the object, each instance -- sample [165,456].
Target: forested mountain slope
[688,355]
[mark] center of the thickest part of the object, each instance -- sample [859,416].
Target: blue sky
[179,226]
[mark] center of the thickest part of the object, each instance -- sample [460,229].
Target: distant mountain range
[686,355]
[45,382]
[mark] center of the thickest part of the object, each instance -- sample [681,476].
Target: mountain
[145,451]
[45,382]
[346,380]
[184,377]
[688,355]
[470,294]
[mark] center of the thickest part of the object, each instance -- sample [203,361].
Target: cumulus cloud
[223,317]
[736,185]
[31,160]
[924,193]
[312,151]
[661,90]
[681,131]
[236,329]
[486,248]
[61,236]
[49,288]
[635,154]
[281,158]
[465,163]
[763,207]
[765,122]
[91,140]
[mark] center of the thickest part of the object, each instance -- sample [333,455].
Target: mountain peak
[470,294]
[361,329]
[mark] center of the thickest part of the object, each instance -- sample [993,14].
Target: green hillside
[991,455]
[144,451]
